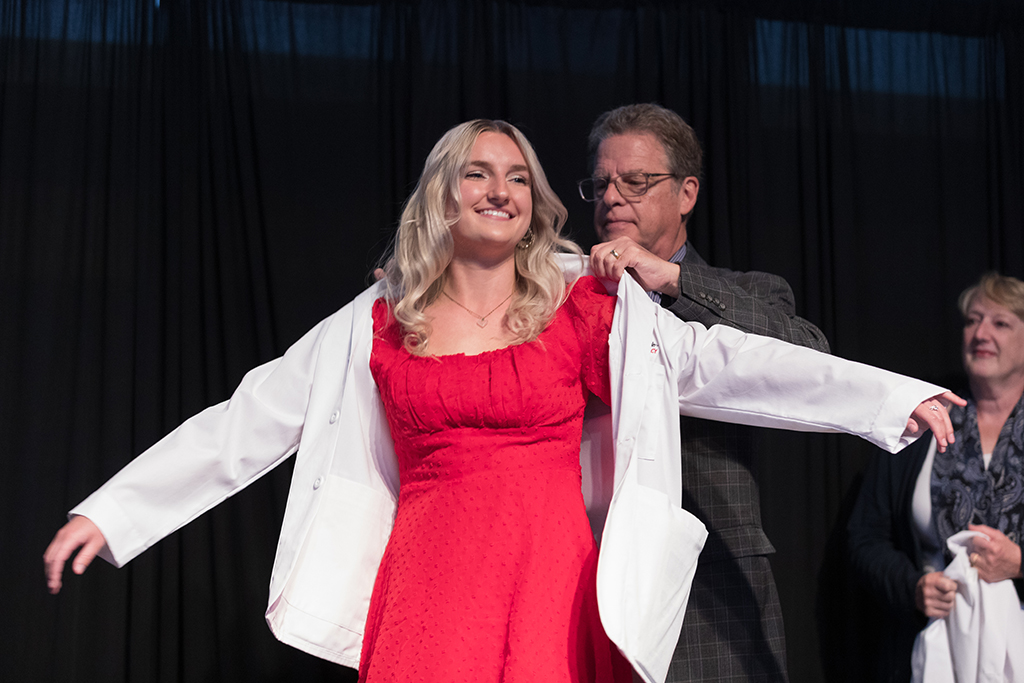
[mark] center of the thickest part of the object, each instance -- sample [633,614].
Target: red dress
[489,572]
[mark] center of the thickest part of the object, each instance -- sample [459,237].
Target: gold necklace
[481,319]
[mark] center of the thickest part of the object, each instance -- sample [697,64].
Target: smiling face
[993,343]
[497,200]
[653,220]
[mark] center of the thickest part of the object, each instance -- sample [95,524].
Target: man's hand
[996,557]
[610,259]
[934,595]
[80,532]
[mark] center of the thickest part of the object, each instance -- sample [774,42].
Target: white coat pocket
[328,593]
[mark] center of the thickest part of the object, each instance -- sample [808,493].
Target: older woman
[910,504]
[435,527]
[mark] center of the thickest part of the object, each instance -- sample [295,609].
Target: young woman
[435,528]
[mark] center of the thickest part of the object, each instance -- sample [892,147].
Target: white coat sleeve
[727,375]
[209,457]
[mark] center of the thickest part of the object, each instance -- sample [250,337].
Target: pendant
[482,322]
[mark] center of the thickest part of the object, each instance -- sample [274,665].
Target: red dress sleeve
[591,309]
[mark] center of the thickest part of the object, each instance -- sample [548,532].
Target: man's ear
[688,190]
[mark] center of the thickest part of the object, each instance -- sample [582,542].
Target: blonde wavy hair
[423,249]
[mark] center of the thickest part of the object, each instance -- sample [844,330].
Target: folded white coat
[982,638]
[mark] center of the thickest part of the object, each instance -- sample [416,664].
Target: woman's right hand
[80,532]
[997,557]
[934,595]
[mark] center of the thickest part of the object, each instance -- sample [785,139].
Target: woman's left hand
[996,557]
[931,414]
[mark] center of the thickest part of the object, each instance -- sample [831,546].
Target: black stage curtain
[187,186]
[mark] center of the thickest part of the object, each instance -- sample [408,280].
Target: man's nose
[611,195]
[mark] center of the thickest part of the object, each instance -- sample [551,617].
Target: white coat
[982,639]
[320,400]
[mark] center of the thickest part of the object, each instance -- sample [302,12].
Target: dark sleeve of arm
[755,302]
[886,569]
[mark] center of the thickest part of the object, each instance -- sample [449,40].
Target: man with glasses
[646,166]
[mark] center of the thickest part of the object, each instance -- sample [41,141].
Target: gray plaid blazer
[733,627]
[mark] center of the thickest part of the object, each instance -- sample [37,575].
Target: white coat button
[334,416]
[316,484]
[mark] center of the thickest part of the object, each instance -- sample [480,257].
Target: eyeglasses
[628,185]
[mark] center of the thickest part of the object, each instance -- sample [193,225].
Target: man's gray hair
[677,137]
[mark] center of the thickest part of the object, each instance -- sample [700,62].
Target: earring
[527,240]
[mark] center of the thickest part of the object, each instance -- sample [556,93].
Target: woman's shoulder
[588,290]
[588,300]
[384,324]
[381,313]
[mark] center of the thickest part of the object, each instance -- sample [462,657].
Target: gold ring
[974,559]
[615,253]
